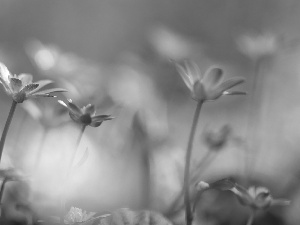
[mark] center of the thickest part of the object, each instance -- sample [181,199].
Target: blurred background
[117,54]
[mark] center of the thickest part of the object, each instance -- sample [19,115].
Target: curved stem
[2,188]
[202,165]
[63,198]
[18,134]
[253,107]
[187,201]
[76,148]
[6,127]
[147,180]
[1,194]
[40,148]
[251,218]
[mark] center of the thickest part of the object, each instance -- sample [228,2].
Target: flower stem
[63,198]
[251,126]
[205,161]
[1,193]
[18,134]
[186,186]
[2,188]
[251,218]
[6,127]
[76,148]
[40,148]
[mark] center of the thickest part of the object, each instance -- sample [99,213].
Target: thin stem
[40,148]
[202,165]
[2,188]
[187,201]
[18,134]
[253,108]
[7,125]
[147,184]
[1,193]
[205,161]
[76,148]
[63,198]
[251,218]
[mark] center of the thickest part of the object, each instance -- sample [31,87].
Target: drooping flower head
[207,86]
[85,115]
[253,197]
[20,87]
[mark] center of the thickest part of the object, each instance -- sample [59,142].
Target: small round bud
[202,186]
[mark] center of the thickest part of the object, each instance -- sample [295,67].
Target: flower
[76,215]
[208,86]
[258,45]
[85,115]
[20,87]
[253,197]
[67,69]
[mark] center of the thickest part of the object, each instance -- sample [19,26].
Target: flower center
[86,119]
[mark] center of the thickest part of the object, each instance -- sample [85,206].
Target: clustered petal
[253,197]
[208,86]
[85,115]
[76,215]
[20,87]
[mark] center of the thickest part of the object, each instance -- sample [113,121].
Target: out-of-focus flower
[85,115]
[170,44]
[77,215]
[216,140]
[48,115]
[208,86]
[259,45]
[68,69]
[253,197]
[20,87]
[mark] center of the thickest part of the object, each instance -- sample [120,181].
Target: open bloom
[85,115]
[253,197]
[207,86]
[20,87]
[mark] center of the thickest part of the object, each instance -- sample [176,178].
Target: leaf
[128,217]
